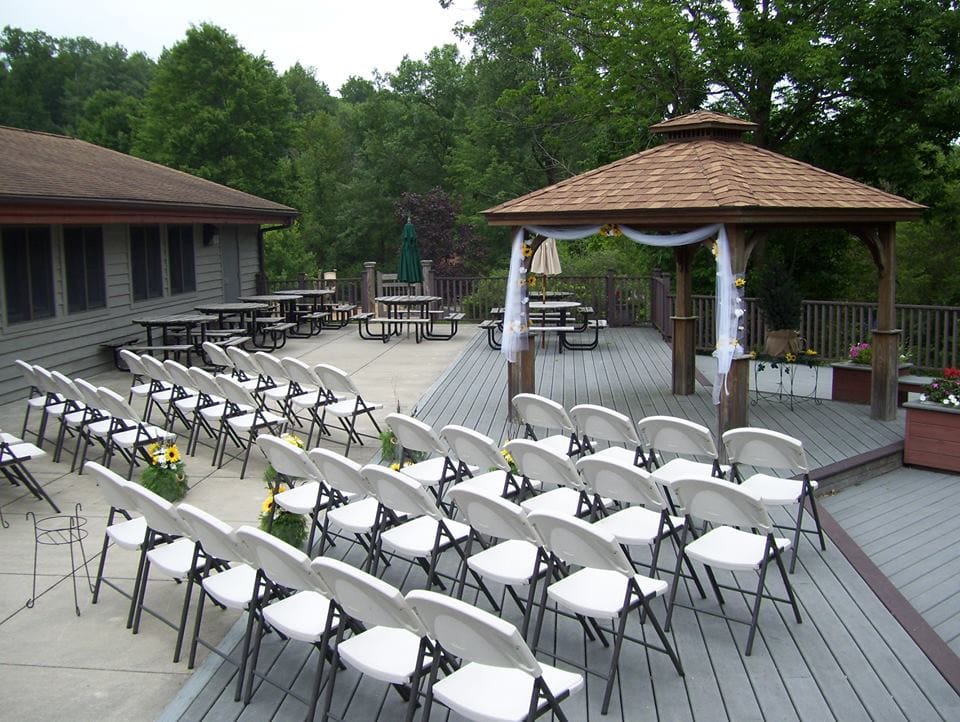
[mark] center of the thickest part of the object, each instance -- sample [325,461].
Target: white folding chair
[308,395]
[729,544]
[417,439]
[394,646]
[209,412]
[168,548]
[14,455]
[36,398]
[229,578]
[691,446]
[346,403]
[96,428]
[606,587]
[761,448]
[140,384]
[516,559]
[129,532]
[75,413]
[498,678]
[473,451]
[598,423]
[277,387]
[245,418]
[549,467]
[540,412]
[246,371]
[184,398]
[161,393]
[294,601]
[129,433]
[53,406]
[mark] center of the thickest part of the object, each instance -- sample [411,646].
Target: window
[146,262]
[183,278]
[27,272]
[83,267]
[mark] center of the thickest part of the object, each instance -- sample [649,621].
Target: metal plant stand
[60,530]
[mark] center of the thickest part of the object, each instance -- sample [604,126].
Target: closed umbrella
[546,262]
[410,270]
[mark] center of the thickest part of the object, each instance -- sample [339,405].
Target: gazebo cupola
[703,125]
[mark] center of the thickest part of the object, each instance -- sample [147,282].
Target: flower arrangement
[166,474]
[808,357]
[392,451]
[283,524]
[945,390]
[861,353]
[510,462]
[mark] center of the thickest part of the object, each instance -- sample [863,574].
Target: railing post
[301,280]
[426,268]
[613,316]
[368,286]
[260,283]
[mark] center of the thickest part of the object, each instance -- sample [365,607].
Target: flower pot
[852,382]
[932,436]
[781,342]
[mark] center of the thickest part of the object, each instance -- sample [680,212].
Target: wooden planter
[851,382]
[932,436]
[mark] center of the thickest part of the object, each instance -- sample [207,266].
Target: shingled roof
[42,174]
[704,173]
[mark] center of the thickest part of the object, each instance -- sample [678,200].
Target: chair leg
[754,618]
[789,588]
[614,661]
[191,660]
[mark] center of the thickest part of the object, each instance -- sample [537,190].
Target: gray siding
[71,342]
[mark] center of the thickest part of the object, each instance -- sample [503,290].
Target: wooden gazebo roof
[705,173]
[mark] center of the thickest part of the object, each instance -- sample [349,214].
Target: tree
[110,119]
[218,112]
[452,246]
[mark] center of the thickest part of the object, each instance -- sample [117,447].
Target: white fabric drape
[729,304]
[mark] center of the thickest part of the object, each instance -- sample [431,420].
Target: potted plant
[852,378]
[932,436]
[781,305]
[166,475]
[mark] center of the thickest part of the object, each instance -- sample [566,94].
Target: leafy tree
[286,254]
[110,119]
[309,95]
[452,246]
[218,112]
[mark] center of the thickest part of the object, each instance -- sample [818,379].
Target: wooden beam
[886,337]
[522,375]
[684,351]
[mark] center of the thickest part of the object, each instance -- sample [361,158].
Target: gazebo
[704,173]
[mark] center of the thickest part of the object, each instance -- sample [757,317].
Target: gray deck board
[848,660]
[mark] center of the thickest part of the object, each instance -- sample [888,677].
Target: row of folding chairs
[14,455]
[672,448]
[428,645]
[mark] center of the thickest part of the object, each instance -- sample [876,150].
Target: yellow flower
[610,230]
[267,505]
[173,454]
[740,282]
[810,352]
[294,440]
[153,449]
[395,466]
[753,354]
[506,456]
[527,250]
[791,357]
[532,281]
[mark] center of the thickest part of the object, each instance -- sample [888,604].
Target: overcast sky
[339,38]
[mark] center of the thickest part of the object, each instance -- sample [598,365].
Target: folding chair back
[179,375]
[215,536]
[576,541]
[88,394]
[678,436]
[244,362]
[162,516]
[155,369]
[287,459]
[29,374]
[415,435]
[335,380]
[218,357]
[300,373]
[282,563]
[399,492]
[115,489]
[133,362]
[537,462]
[65,387]
[599,422]
[472,447]
[366,598]
[205,382]
[116,405]
[631,484]
[235,392]
[271,366]
[494,516]
[540,411]
[764,448]
[340,473]
[722,503]
[473,634]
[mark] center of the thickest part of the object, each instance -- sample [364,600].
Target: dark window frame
[146,262]
[84,268]
[181,259]
[27,253]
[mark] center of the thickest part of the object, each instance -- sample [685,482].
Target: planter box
[851,382]
[932,436]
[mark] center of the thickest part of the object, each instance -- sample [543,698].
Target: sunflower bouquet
[283,524]
[166,475]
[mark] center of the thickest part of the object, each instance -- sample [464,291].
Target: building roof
[53,178]
[704,173]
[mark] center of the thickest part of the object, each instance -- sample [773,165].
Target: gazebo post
[886,337]
[732,410]
[684,362]
[521,375]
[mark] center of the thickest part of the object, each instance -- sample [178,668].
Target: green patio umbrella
[410,270]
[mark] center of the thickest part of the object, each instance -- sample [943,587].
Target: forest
[866,88]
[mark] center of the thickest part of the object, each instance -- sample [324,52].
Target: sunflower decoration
[283,524]
[810,352]
[270,474]
[532,281]
[527,250]
[740,282]
[610,230]
[166,475]
[790,358]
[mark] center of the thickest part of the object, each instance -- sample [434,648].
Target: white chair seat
[277,393]
[141,389]
[774,490]
[356,517]
[23,450]
[348,407]
[416,537]
[141,435]
[479,691]
[617,454]
[129,533]
[731,548]
[492,482]
[245,422]
[216,412]
[636,525]
[385,653]
[558,443]
[427,472]
[684,469]
[600,593]
[301,617]
[563,501]
[300,499]
[510,562]
[233,588]
[188,403]
[174,559]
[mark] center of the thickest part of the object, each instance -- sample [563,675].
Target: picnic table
[276,327]
[410,311]
[313,314]
[177,333]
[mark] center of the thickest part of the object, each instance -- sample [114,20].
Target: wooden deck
[850,659]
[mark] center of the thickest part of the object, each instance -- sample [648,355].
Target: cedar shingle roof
[42,168]
[703,174]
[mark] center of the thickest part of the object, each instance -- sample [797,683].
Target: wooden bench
[114,348]
[277,332]
[453,319]
[340,314]
[231,341]
[491,326]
